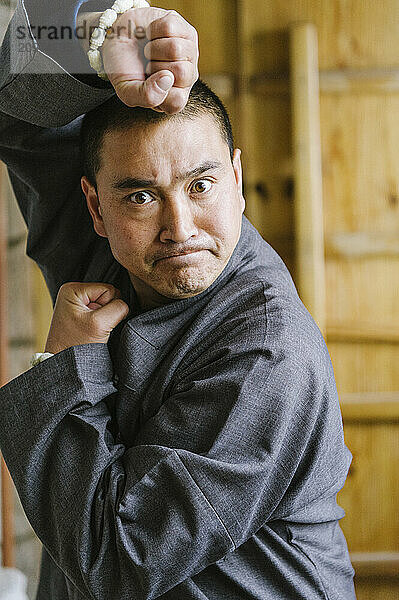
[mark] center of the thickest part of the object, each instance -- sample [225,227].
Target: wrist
[39,357]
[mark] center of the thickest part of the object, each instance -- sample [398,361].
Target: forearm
[61,33]
[34,86]
[84,493]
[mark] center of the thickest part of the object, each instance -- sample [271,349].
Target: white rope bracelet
[98,36]
[39,357]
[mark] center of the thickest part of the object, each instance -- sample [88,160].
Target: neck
[148,297]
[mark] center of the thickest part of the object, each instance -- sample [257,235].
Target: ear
[94,206]
[238,175]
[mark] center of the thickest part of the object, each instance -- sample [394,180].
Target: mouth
[180,256]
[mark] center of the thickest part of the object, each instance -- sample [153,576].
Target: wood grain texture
[370,406]
[377,588]
[308,205]
[352,33]
[363,293]
[365,367]
[331,81]
[360,137]
[371,493]
[375,564]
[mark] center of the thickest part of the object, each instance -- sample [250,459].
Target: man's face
[170,203]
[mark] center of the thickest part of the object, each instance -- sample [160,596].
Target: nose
[177,220]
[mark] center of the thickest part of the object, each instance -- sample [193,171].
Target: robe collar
[162,323]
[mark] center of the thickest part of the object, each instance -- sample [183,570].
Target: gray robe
[198,454]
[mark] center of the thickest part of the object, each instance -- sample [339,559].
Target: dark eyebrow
[134,182]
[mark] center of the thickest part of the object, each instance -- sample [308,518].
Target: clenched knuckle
[193,32]
[169,27]
[174,16]
[175,47]
[181,71]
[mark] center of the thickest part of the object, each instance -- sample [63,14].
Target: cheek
[225,216]
[129,241]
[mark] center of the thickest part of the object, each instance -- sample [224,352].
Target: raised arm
[41,107]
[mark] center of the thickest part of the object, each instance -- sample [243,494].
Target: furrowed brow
[134,182]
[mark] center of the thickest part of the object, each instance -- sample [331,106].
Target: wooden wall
[245,56]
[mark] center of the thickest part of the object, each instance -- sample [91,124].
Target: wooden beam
[308,173]
[359,81]
[361,333]
[362,244]
[375,564]
[334,81]
[370,406]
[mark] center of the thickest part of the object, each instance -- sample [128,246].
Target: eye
[140,198]
[201,186]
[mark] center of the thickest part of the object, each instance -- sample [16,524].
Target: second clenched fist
[84,313]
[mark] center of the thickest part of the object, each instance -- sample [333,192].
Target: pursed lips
[176,254]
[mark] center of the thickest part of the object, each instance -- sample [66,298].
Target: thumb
[109,315]
[149,93]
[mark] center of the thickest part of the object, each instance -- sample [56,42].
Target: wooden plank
[375,564]
[361,332]
[365,367]
[362,244]
[378,588]
[371,406]
[308,177]
[361,184]
[332,81]
[359,81]
[364,291]
[370,496]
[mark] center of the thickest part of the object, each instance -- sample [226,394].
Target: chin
[186,284]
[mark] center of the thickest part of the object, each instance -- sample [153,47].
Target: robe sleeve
[53,25]
[249,432]
[34,87]
[41,107]
[114,531]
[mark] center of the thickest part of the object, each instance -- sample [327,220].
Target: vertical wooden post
[244,108]
[308,174]
[7,489]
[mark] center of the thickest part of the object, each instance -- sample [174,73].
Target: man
[184,441]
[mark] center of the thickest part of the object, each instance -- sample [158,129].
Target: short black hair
[114,114]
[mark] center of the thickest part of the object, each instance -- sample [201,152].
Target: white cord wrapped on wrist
[39,357]
[107,19]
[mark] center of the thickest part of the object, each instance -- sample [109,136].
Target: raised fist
[84,313]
